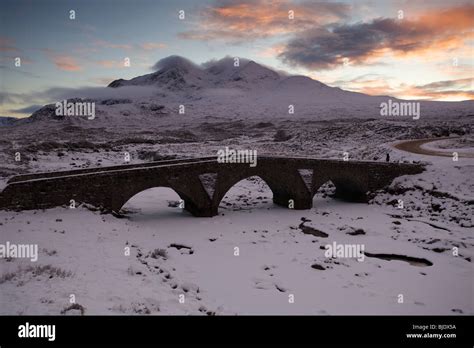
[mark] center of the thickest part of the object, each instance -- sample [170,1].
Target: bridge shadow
[247,195]
[326,197]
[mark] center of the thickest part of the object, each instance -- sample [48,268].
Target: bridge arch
[323,188]
[126,195]
[155,198]
[348,186]
[224,186]
[229,188]
[285,184]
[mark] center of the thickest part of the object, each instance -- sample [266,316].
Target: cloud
[223,63]
[16,102]
[62,61]
[108,63]
[460,89]
[60,93]
[104,81]
[11,98]
[11,59]
[449,84]
[27,110]
[148,46]
[82,27]
[107,44]
[372,84]
[327,47]
[66,63]
[172,61]
[416,92]
[375,84]
[19,71]
[255,19]
[272,51]
[6,45]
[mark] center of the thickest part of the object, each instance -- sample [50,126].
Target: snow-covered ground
[172,253]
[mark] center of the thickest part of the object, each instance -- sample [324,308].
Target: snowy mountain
[224,89]
[177,74]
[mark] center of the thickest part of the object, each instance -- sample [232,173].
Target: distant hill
[7,120]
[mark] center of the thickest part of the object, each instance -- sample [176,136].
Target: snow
[307,176]
[275,259]
[208,181]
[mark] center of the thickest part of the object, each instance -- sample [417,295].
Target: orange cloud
[449,90]
[451,19]
[66,63]
[254,19]
[108,63]
[437,31]
[270,52]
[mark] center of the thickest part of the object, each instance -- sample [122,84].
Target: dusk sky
[360,46]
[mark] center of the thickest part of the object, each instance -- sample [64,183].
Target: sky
[416,49]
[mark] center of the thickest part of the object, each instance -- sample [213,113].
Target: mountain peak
[173,72]
[226,70]
[177,73]
[252,71]
[224,67]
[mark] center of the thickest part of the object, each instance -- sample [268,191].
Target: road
[414,146]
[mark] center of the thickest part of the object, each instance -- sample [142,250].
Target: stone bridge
[201,182]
